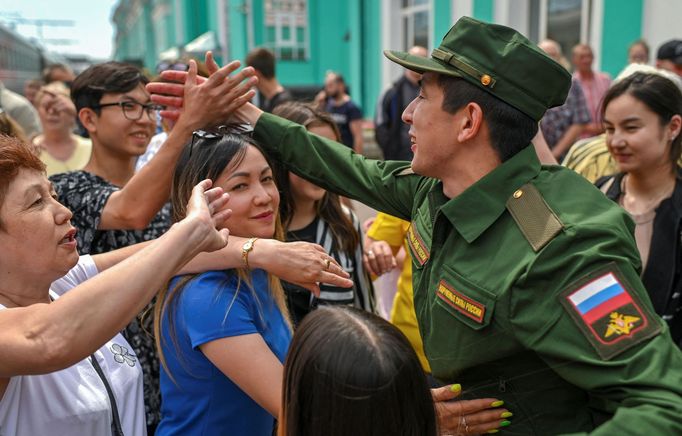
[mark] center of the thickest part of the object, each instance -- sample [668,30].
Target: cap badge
[486,79]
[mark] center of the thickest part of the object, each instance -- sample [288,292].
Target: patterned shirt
[591,158]
[594,90]
[557,120]
[86,194]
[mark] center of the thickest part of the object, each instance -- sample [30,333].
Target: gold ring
[329,262]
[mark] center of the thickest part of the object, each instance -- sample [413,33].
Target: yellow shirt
[591,158]
[393,230]
[78,160]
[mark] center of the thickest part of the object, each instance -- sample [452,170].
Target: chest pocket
[464,300]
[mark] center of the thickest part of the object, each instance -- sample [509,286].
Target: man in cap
[525,277]
[669,56]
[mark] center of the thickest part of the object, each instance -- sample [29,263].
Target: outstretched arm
[300,263]
[383,185]
[43,338]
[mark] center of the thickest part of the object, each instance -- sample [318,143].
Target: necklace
[645,203]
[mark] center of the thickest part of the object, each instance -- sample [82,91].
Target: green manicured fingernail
[456,387]
[506,415]
[505,423]
[497,403]
[493,431]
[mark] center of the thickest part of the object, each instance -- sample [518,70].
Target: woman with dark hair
[350,372]
[643,118]
[311,214]
[223,335]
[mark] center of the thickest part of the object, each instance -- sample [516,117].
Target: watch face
[247,245]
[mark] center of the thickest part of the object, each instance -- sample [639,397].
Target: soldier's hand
[467,417]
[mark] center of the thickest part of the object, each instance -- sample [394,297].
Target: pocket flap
[464,300]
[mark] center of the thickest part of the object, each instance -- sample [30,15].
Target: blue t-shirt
[202,400]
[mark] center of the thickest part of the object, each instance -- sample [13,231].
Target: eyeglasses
[132,110]
[175,66]
[219,132]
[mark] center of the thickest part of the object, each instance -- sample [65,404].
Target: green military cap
[499,60]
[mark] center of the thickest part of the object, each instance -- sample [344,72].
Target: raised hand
[467,417]
[60,103]
[206,211]
[201,102]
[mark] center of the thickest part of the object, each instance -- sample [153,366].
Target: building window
[565,21]
[415,23]
[286,28]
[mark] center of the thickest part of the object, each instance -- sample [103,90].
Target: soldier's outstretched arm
[388,186]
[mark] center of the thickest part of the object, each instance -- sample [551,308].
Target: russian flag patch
[608,313]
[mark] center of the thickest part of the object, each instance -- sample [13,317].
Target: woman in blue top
[223,335]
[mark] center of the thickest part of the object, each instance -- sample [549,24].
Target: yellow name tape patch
[465,305]
[419,250]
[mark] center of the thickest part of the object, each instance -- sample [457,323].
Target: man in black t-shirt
[346,114]
[390,131]
[271,91]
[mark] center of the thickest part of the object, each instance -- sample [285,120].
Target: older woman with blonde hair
[61,150]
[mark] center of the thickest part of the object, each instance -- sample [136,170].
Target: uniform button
[486,79]
[518,193]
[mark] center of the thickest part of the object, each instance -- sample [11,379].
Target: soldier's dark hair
[658,93]
[110,77]
[510,129]
[263,61]
[364,378]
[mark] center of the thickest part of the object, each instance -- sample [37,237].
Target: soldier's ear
[469,121]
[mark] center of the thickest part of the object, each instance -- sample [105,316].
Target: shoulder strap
[606,185]
[537,221]
[116,429]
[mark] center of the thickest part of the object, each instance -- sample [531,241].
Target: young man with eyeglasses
[114,207]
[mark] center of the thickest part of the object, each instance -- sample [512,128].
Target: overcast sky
[91,33]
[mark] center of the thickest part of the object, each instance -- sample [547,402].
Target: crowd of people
[180,261]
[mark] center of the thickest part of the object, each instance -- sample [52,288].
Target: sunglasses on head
[174,66]
[220,131]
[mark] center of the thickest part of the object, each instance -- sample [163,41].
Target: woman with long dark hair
[223,335]
[364,379]
[311,214]
[643,118]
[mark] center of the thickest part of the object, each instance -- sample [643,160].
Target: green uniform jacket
[494,311]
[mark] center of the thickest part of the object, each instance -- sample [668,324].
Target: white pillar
[223,26]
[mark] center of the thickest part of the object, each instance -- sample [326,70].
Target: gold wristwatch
[246,249]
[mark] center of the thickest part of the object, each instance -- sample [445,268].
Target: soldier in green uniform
[526,278]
